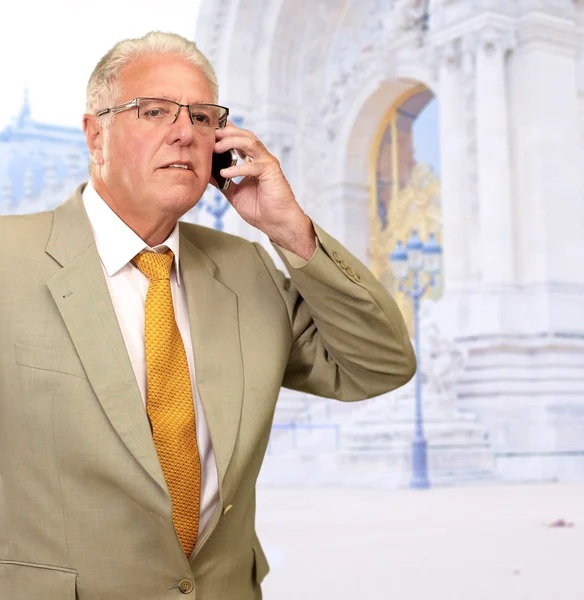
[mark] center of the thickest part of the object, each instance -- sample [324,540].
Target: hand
[263,198]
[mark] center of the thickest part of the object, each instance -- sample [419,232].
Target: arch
[355,163]
[405,185]
[351,165]
[368,109]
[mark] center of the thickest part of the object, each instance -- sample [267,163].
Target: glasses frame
[136,102]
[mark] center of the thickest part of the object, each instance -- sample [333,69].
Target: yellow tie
[169,399]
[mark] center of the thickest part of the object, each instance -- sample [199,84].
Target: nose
[181,130]
[180,107]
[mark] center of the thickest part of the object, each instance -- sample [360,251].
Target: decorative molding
[215,25]
[366,53]
[378,45]
[411,15]
[450,53]
[548,30]
[316,143]
[447,55]
[492,39]
[561,8]
[468,69]
[475,21]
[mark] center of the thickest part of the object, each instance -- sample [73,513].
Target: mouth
[179,165]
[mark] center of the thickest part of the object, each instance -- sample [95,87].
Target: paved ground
[474,543]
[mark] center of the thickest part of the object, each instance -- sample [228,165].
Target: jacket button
[357,277]
[350,272]
[227,509]
[185,586]
[336,256]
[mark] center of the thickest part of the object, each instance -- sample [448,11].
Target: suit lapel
[214,321]
[81,294]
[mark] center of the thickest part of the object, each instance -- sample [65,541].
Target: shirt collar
[116,243]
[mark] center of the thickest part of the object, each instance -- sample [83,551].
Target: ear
[94,138]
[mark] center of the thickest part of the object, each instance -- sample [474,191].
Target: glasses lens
[208,115]
[156,110]
[163,112]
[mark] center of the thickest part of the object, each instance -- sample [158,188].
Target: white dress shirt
[117,245]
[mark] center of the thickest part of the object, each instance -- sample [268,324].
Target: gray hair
[103,89]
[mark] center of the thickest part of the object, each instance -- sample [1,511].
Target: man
[141,359]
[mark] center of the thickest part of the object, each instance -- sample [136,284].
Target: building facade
[319,81]
[462,118]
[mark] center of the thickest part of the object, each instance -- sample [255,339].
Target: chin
[179,201]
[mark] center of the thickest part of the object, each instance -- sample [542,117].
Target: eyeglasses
[159,111]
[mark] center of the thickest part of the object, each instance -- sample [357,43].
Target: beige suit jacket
[84,508]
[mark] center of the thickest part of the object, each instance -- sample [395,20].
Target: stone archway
[353,171]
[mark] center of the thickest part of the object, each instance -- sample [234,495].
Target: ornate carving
[217,29]
[564,8]
[315,43]
[442,361]
[362,53]
[468,67]
[492,40]
[411,14]
[369,51]
[449,55]
[316,142]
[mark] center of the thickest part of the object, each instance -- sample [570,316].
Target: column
[547,154]
[453,170]
[493,160]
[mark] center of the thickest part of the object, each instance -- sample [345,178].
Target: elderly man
[141,358]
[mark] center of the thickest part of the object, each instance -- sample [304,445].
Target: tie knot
[154,265]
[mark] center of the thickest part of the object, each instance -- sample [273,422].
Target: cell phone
[223,161]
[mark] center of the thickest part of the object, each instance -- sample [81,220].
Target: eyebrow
[164,97]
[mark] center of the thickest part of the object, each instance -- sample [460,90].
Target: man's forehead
[155,65]
[172,77]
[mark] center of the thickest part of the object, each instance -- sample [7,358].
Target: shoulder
[218,245]
[232,254]
[26,230]
[206,238]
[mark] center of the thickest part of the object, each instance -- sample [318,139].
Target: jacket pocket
[49,360]
[261,566]
[31,581]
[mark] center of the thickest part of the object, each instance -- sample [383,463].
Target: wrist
[299,239]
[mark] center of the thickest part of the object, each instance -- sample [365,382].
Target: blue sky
[426,135]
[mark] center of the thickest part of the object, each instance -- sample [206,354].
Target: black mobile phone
[223,161]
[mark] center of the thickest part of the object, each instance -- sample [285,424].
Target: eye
[201,119]
[156,109]
[155,113]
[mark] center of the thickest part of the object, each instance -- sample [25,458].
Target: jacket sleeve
[349,339]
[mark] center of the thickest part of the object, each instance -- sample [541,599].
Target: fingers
[246,169]
[231,128]
[243,156]
[258,163]
[246,146]
[244,142]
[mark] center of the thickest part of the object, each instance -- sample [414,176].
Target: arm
[350,341]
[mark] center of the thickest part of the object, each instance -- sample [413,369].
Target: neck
[151,227]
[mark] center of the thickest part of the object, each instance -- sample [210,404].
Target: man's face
[131,154]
